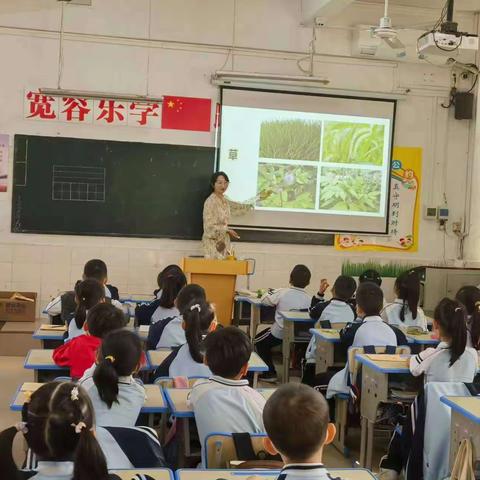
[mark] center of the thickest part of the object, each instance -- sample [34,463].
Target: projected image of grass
[349,189]
[290,140]
[360,143]
[286,186]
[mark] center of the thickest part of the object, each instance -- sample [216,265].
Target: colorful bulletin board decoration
[3,162]
[404,208]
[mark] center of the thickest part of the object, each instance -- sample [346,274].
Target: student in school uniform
[334,311]
[371,330]
[451,360]
[404,311]
[169,333]
[58,426]
[88,293]
[188,360]
[80,353]
[64,305]
[225,402]
[296,419]
[469,297]
[116,396]
[292,298]
[164,307]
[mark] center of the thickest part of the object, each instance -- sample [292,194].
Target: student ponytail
[451,319]
[407,286]
[171,286]
[198,317]
[89,461]
[88,293]
[469,296]
[118,356]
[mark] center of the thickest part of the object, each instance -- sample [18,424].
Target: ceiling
[460,5]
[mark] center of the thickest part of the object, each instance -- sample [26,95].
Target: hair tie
[84,299]
[195,307]
[458,309]
[79,427]
[111,358]
[74,394]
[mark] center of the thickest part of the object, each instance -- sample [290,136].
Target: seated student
[372,330]
[404,312]
[87,294]
[187,361]
[168,333]
[469,297]
[58,426]
[452,360]
[225,402]
[80,353]
[116,396]
[171,286]
[292,298]
[64,305]
[337,310]
[144,312]
[372,276]
[296,421]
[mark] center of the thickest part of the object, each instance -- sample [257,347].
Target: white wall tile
[28,254]
[81,255]
[5,273]
[6,253]
[56,254]
[26,272]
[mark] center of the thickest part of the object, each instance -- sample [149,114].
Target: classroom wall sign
[3,162]
[406,175]
[177,113]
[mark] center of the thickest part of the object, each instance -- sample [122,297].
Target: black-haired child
[116,396]
[80,353]
[469,297]
[292,298]
[172,284]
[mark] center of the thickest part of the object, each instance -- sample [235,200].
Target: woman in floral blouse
[216,216]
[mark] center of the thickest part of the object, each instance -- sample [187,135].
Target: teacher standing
[216,217]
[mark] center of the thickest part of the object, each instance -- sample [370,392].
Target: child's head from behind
[369,299]
[227,352]
[188,294]
[469,297]
[198,320]
[449,320]
[103,319]
[120,355]
[59,427]
[172,269]
[344,287]
[300,276]
[407,288]
[88,293]
[96,269]
[296,420]
[372,276]
[172,284]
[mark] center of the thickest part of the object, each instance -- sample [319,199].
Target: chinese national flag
[186,113]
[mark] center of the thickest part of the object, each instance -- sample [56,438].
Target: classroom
[239,238]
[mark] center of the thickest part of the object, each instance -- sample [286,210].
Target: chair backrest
[354,365]
[220,449]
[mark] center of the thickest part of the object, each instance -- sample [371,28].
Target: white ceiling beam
[323,10]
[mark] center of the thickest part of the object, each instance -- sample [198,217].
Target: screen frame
[218,137]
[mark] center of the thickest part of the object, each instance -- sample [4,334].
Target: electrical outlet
[457,227]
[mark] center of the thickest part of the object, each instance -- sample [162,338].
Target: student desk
[177,401]
[465,423]
[289,320]
[255,364]
[154,473]
[424,339]
[326,339]
[51,336]
[233,474]
[255,304]
[142,331]
[375,391]
[42,363]
[154,403]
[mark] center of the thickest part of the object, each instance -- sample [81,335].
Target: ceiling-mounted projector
[439,43]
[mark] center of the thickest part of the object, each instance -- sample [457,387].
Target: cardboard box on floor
[18,306]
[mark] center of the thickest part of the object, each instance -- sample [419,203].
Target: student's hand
[233,234]
[323,286]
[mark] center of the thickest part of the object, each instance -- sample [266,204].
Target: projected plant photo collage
[328,165]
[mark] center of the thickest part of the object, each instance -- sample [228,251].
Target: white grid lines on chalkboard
[78,183]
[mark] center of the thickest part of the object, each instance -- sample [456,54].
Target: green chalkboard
[99,187]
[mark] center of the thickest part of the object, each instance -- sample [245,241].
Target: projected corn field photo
[286,186]
[290,139]
[350,189]
[360,143]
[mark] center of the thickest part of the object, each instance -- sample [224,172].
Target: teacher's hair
[215,176]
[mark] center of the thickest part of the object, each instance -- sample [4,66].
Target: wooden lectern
[218,278]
